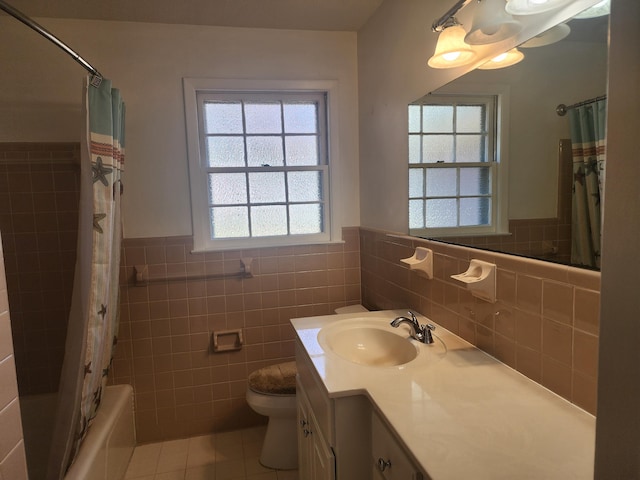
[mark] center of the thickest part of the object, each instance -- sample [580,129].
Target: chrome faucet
[422,333]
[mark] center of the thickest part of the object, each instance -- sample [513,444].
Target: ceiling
[337,15]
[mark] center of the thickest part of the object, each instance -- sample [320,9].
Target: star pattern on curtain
[97,218]
[103,310]
[100,172]
[579,176]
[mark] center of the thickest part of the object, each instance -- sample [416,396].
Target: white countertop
[462,414]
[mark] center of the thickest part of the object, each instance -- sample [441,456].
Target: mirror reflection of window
[452,165]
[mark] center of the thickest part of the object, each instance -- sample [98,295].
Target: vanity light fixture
[600,9]
[533,7]
[451,51]
[491,24]
[503,60]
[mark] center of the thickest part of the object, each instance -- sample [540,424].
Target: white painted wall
[40,96]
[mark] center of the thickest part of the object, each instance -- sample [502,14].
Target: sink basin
[366,344]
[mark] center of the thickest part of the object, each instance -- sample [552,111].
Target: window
[453,166]
[261,175]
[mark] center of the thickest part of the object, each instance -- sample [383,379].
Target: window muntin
[453,166]
[264,156]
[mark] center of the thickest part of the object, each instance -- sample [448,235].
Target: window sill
[266,245]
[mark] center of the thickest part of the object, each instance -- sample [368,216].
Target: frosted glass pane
[264,151]
[304,186]
[266,187]
[414,118]
[437,148]
[300,118]
[416,213]
[441,213]
[416,182]
[225,151]
[475,211]
[414,149]
[223,117]
[263,118]
[442,182]
[470,148]
[227,188]
[229,222]
[268,220]
[475,181]
[470,119]
[302,150]
[437,119]
[305,219]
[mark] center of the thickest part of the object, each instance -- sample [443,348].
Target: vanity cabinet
[316,460]
[335,434]
[389,461]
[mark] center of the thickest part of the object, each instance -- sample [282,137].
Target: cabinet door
[316,460]
[389,460]
[324,462]
[304,429]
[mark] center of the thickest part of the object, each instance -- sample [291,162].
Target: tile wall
[13,463]
[545,323]
[181,387]
[38,220]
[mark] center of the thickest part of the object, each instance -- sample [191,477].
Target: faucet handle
[430,326]
[413,317]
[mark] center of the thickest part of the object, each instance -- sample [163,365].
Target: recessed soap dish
[421,262]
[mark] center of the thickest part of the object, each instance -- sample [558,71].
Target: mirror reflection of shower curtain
[93,319]
[587,124]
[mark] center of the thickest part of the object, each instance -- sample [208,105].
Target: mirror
[538,149]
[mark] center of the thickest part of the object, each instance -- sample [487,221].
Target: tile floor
[221,456]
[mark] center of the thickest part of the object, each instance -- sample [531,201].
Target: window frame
[194,90]
[496,155]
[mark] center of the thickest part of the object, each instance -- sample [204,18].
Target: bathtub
[106,450]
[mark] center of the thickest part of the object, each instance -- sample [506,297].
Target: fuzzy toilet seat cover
[279,379]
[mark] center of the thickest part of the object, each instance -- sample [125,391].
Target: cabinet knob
[383,464]
[306,432]
[303,423]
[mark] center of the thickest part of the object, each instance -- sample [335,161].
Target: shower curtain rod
[96,76]
[562,109]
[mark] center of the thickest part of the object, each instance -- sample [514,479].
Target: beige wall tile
[585,354]
[587,310]
[557,303]
[544,337]
[529,293]
[557,341]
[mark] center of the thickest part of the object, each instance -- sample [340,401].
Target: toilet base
[280,446]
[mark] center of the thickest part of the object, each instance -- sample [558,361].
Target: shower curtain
[93,319]
[587,124]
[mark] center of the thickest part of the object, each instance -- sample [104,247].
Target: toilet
[272,393]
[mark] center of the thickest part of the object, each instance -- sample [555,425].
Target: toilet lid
[279,379]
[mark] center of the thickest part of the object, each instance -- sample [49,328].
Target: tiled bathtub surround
[182,388]
[545,323]
[38,220]
[12,454]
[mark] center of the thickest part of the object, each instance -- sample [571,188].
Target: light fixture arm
[448,19]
